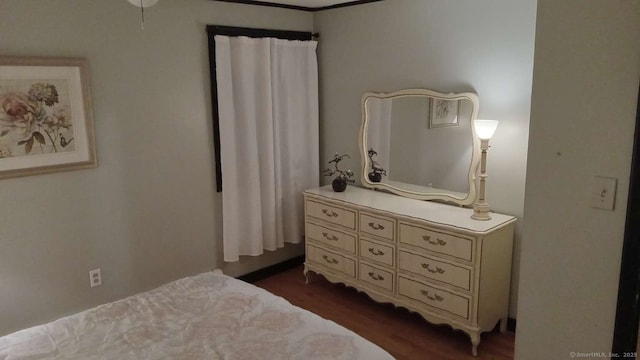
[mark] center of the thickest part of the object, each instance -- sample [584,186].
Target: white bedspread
[207,316]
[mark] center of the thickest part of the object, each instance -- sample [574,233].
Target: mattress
[207,316]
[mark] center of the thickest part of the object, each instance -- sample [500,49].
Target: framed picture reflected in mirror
[443,113]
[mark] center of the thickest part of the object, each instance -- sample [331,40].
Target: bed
[206,316]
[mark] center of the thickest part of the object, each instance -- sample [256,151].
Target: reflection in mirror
[425,141]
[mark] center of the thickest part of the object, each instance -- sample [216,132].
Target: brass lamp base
[481,211]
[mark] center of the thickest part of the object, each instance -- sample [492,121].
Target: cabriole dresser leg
[306,276]
[503,325]
[475,341]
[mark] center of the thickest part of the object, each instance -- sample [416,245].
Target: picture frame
[443,113]
[46,118]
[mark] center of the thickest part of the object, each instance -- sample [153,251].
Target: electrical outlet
[95,278]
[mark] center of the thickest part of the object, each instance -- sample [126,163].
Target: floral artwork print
[46,122]
[35,118]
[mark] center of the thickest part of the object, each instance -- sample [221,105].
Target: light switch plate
[603,192]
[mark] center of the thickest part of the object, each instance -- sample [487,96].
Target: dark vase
[339,184]
[375,176]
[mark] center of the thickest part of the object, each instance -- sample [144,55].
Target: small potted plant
[339,184]
[377,171]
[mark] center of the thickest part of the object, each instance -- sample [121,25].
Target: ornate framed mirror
[422,143]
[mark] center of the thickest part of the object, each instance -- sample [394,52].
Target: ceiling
[309,5]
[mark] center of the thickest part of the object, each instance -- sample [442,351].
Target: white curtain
[379,132]
[268,109]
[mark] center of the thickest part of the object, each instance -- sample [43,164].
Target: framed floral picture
[443,113]
[46,121]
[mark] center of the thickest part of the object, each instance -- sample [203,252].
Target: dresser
[430,258]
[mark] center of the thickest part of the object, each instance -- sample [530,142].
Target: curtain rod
[213,30]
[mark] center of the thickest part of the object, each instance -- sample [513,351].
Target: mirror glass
[421,143]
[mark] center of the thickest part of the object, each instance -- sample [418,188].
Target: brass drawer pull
[330,213]
[330,238]
[437,270]
[438,241]
[376,252]
[435,297]
[375,276]
[332,261]
[375,226]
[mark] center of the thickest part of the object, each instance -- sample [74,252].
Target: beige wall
[583,108]
[149,212]
[450,46]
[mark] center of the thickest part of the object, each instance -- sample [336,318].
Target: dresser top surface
[433,212]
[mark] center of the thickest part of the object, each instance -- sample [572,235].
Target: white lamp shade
[485,128]
[143,3]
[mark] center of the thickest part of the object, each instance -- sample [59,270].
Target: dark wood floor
[404,335]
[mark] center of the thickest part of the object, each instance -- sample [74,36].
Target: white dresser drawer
[377,225]
[376,276]
[331,213]
[377,252]
[455,246]
[444,300]
[332,237]
[456,275]
[332,260]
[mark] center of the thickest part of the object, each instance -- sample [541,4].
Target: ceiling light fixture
[143,4]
